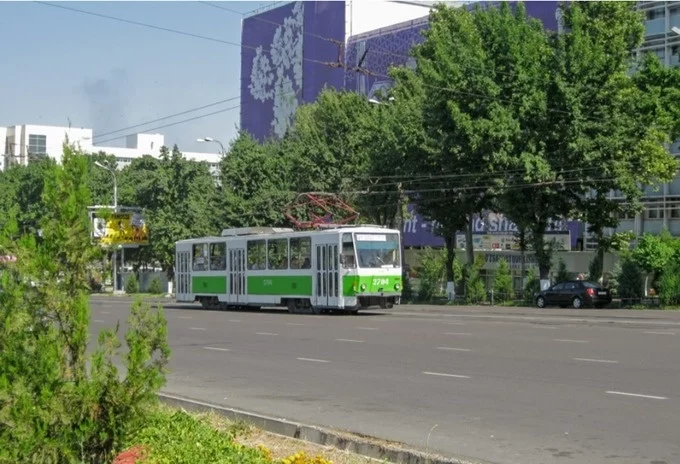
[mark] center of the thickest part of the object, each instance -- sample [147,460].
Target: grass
[175,436]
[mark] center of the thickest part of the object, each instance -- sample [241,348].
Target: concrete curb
[362,445]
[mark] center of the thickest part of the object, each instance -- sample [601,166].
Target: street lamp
[115,210]
[210,139]
[375,101]
[675,30]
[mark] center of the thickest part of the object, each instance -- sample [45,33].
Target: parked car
[575,293]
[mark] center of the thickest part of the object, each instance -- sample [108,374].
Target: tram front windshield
[378,250]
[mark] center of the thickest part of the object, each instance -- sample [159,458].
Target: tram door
[326,275]
[237,275]
[183,276]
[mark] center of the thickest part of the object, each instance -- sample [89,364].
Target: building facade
[27,142]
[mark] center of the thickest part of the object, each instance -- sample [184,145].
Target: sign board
[126,228]
[507,242]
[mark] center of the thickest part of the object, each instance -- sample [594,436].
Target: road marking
[313,360]
[453,323]
[348,340]
[265,333]
[457,333]
[447,348]
[215,348]
[197,328]
[596,360]
[293,323]
[638,395]
[98,320]
[659,333]
[570,341]
[183,317]
[105,312]
[234,320]
[367,328]
[447,375]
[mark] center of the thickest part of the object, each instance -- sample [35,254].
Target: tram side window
[301,253]
[218,256]
[278,254]
[200,257]
[257,255]
[348,260]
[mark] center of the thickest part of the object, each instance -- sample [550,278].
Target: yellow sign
[128,228]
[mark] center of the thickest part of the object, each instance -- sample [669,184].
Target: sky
[61,66]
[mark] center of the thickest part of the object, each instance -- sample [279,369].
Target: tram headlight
[363,287]
[397,287]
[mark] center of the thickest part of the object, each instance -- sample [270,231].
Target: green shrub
[155,286]
[60,403]
[595,268]
[502,285]
[432,274]
[532,286]
[132,285]
[562,272]
[630,281]
[669,285]
[179,438]
[475,290]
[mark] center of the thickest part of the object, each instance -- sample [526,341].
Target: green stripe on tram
[351,285]
[213,285]
[280,285]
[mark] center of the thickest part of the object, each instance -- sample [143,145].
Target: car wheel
[577,302]
[540,302]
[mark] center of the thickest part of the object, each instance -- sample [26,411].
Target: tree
[609,125]
[256,182]
[562,272]
[58,403]
[178,197]
[653,253]
[470,128]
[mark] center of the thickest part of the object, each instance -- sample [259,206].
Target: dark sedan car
[575,293]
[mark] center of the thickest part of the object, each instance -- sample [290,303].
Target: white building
[26,142]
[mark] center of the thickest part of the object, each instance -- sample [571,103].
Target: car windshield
[378,250]
[590,285]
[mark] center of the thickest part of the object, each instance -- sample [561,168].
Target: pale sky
[61,65]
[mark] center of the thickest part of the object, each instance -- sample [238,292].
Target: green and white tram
[341,268]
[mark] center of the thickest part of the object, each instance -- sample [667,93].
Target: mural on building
[276,74]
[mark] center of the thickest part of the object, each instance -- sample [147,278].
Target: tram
[342,268]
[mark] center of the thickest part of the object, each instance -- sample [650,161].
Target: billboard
[490,231]
[126,228]
[285,61]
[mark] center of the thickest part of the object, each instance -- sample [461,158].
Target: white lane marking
[313,360]
[293,323]
[659,333]
[570,341]
[197,328]
[98,320]
[596,360]
[446,375]
[265,333]
[457,333]
[183,317]
[348,340]
[637,395]
[453,323]
[448,348]
[215,348]
[367,328]
[529,318]
[105,312]
[234,320]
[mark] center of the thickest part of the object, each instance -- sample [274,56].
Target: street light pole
[210,139]
[115,210]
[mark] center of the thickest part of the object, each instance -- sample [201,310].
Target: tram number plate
[267,282]
[378,281]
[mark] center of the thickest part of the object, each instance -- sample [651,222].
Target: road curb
[362,445]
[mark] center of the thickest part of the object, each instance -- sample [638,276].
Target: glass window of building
[37,144]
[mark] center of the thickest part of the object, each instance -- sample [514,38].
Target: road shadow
[265,310]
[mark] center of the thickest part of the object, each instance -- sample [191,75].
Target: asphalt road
[504,385]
